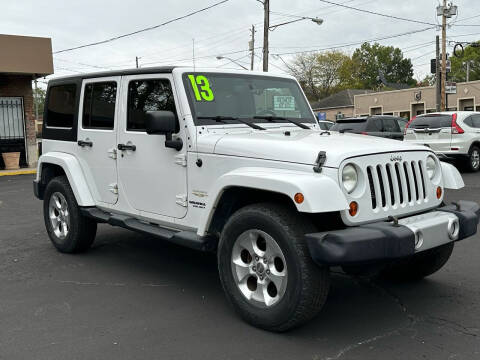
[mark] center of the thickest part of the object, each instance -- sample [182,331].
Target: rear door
[97,135]
[432,130]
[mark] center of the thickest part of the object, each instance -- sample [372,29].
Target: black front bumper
[381,240]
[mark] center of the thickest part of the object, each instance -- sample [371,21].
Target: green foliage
[323,74]
[39,99]
[371,60]
[459,68]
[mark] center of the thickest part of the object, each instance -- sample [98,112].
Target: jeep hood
[303,146]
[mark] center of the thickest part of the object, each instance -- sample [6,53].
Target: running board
[184,238]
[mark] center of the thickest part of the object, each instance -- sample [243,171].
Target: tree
[371,61]
[459,68]
[39,99]
[428,80]
[322,74]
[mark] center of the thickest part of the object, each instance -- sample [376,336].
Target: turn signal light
[299,198]
[353,210]
[439,192]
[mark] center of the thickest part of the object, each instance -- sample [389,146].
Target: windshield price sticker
[283,103]
[201,88]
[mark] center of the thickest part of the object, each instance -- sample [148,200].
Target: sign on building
[322,116]
[450,87]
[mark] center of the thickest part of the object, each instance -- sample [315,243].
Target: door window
[147,95]
[374,125]
[99,105]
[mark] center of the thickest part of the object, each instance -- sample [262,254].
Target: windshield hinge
[113,188]
[181,200]
[321,158]
[112,153]
[181,159]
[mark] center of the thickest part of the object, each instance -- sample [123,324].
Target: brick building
[22,60]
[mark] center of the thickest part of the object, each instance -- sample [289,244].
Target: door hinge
[112,153]
[181,200]
[113,188]
[181,159]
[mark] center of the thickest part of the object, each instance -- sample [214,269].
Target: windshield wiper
[219,118]
[273,118]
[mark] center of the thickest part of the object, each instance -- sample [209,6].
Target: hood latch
[321,158]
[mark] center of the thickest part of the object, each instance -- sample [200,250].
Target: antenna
[193,53]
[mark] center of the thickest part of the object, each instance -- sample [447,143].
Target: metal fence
[12,125]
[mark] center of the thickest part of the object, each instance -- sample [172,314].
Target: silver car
[455,134]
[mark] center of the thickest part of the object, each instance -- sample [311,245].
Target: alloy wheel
[59,215]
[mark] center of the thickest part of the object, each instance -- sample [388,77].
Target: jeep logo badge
[396,158]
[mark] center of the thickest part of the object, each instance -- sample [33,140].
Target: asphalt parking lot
[135,297]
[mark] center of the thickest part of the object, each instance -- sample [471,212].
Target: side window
[61,106]
[390,125]
[469,121]
[476,121]
[374,125]
[99,105]
[147,95]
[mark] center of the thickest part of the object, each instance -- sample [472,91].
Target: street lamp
[233,61]
[267,27]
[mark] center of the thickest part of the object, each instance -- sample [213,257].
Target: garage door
[12,126]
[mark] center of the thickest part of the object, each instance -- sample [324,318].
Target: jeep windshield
[249,98]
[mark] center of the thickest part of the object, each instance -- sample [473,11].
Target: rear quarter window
[349,126]
[61,106]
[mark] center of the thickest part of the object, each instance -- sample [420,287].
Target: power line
[378,14]
[358,42]
[142,30]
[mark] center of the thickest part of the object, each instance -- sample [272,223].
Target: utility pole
[252,47]
[136,61]
[444,54]
[266,27]
[468,71]
[438,80]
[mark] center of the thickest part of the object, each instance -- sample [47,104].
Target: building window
[61,106]
[99,105]
[147,95]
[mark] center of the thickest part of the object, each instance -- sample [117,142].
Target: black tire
[307,285]
[82,230]
[418,266]
[472,163]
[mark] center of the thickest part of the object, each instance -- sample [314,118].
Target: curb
[18,172]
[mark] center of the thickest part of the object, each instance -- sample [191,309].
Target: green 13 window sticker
[201,88]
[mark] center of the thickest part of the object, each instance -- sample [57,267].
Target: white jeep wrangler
[234,162]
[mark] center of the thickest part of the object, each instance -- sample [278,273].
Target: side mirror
[164,123]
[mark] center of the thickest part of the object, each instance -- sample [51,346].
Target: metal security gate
[12,127]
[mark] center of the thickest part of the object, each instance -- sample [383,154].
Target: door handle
[124,147]
[83,143]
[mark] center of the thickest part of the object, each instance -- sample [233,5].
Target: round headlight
[349,178]
[431,165]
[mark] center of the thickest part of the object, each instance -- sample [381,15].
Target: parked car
[455,135]
[234,162]
[386,126]
[325,124]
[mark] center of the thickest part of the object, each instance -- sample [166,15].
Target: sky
[224,30]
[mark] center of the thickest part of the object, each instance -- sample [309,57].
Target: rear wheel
[419,265]
[68,229]
[266,269]
[474,159]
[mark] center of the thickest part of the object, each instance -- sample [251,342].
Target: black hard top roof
[363,118]
[146,70]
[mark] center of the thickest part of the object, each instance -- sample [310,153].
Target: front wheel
[68,229]
[266,269]
[474,159]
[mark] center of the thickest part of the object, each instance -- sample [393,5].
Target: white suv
[234,162]
[453,134]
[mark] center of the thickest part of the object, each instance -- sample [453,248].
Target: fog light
[439,192]
[299,198]
[353,208]
[453,228]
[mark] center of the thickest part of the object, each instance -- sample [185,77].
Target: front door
[97,123]
[153,178]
